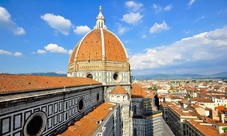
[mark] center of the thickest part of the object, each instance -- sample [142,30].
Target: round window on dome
[117,77]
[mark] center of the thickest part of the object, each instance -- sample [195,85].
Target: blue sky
[160,36]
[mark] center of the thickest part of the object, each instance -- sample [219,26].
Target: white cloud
[5,52]
[144,36]
[61,72]
[127,41]
[168,7]
[208,46]
[17,54]
[70,52]
[191,2]
[81,30]
[4,14]
[200,18]
[121,30]
[217,34]
[58,22]
[158,8]
[8,23]
[55,48]
[19,31]
[41,52]
[133,5]
[156,28]
[132,18]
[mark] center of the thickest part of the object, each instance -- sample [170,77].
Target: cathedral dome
[100,55]
[99,44]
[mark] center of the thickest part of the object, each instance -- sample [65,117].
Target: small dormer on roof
[100,20]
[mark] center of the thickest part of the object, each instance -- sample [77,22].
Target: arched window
[124,98]
[118,98]
[89,76]
[112,98]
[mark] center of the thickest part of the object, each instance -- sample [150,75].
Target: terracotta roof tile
[118,90]
[184,101]
[222,124]
[205,129]
[152,94]
[87,125]
[163,104]
[198,99]
[174,97]
[180,111]
[209,120]
[220,108]
[15,83]
[137,91]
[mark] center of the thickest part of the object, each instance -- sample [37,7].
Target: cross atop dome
[100,8]
[100,21]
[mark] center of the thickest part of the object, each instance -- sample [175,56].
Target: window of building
[118,98]
[90,76]
[112,98]
[134,109]
[134,132]
[81,104]
[117,77]
[97,97]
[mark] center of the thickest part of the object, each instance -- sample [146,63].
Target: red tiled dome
[99,44]
[93,47]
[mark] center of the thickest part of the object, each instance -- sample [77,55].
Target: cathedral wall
[98,65]
[58,109]
[106,77]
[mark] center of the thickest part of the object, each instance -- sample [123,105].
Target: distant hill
[221,75]
[47,74]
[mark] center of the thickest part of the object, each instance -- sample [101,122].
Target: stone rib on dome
[91,47]
[71,59]
[114,49]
